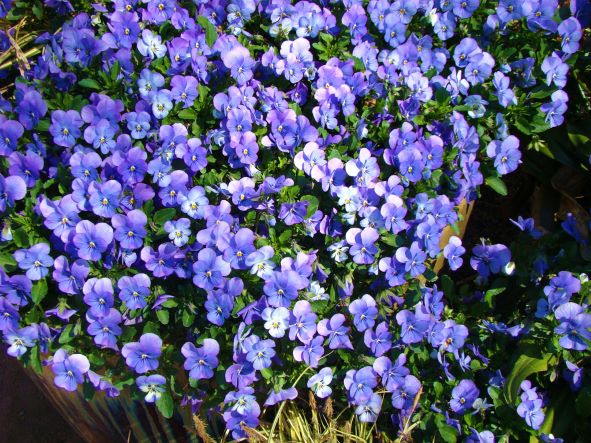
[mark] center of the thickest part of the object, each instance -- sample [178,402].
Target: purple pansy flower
[364,312]
[105,329]
[453,252]
[130,229]
[392,374]
[574,327]
[360,384]
[276,321]
[506,154]
[413,328]
[380,340]
[363,248]
[161,263]
[320,383]
[69,370]
[35,260]
[311,352]
[178,231]
[487,259]
[302,323]
[134,291]
[70,278]
[200,362]
[20,340]
[412,258]
[92,240]
[368,411]
[104,198]
[65,127]
[403,395]
[98,295]
[152,385]
[12,188]
[261,353]
[143,356]
[282,287]
[561,288]
[210,270]
[336,332]
[463,396]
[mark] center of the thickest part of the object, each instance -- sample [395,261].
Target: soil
[491,214]
[26,416]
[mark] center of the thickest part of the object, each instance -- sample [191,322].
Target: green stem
[276,419]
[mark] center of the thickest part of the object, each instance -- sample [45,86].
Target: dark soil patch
[491,214]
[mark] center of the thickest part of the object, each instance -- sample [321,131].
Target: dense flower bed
[259,192]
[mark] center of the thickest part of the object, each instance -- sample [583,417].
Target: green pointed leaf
[211,35]
[497,185]
[90,84]
[312,206]
[163,316]
[524,367]
[36,360]
[164,215]
[67,334]
[188,318]
[448,433]
[20,238]
[187,114]
[115,70]
[165,404]
[7,259]
[39,291]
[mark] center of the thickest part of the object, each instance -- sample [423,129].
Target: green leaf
[447,285]
[211,35]
[43,126]
[7,259]
[438,388]
[165,404]
[497,185]
[523,125]
[188,318]
[151,327]
[20,238]
[164,215]
[583,402]
[540,92]
[39,291]
[203,92]
[187,114]
[312,206]
[495,291]
[15,14]
[448,433]
[90,84]
[36,360]
[163,316]
[267,373]
[115,70]
[358,64]
[170,303]
[38,11]
[524,367]
[285,237]
[390,239]
[67,334]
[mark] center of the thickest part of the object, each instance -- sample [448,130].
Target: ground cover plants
[229,206]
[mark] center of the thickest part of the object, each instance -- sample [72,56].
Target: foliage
[219,205]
